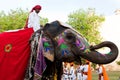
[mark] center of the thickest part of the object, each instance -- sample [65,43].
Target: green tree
[87,23]
[43,21]
[118,62]
[15,19]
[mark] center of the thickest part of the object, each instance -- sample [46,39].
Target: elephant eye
[70,37]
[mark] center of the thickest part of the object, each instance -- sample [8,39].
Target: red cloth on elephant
[14,54]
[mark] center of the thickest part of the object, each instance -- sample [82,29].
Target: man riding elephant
[33,20]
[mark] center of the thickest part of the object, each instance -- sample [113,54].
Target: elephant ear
[48,48]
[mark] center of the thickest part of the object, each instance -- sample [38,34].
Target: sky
[60,9]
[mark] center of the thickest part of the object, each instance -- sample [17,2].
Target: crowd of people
[82,72]
[78,73]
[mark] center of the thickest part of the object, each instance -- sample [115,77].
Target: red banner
[14,54]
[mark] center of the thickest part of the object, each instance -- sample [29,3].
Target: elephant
[59,42]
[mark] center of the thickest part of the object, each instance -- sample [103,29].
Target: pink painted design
[78,43]
[60,41]
[44,39]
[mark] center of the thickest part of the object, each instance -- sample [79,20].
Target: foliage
[15,19]
[43,21]
[87,23]
[118,62]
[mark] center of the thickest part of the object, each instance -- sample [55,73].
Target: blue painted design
[65,51]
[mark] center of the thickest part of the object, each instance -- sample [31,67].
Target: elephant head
[71,45]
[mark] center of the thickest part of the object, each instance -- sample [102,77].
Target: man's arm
[30,20]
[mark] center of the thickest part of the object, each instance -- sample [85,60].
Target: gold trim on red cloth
[8,47]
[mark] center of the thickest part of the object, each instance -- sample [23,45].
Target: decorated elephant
[58,42]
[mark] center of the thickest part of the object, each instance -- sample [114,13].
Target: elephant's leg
[59,68]
[48,74]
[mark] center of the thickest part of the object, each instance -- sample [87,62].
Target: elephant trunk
[100,58]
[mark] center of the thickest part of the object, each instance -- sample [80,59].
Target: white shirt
[72,73]
[34,21]
[85,68]
[80,68]
[100,70]
[66,72]
[79,72]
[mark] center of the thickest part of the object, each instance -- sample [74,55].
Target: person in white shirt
[79,72]
[33,20]
[72,75]
[85,71]
[65,72]
[100,72]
